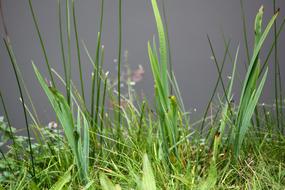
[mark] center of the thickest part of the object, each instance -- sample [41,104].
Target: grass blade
[14,65]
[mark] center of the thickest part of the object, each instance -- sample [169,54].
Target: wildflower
[138,74]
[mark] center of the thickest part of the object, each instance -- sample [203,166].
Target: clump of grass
[167,106]
[137,145]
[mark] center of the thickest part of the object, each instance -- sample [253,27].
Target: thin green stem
[41,42]
[78,51]
[3,20]
[96,65]
[119,67]
[13,62]
[62,49]
[103,106]
[245,32]
[276,69]
[68,82]
[215,89]
[217,66]
[99,86]
[272,48]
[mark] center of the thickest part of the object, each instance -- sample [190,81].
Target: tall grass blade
[96,70]
[68,33]
[250,94]
[71,131]
[162,47]
[167,106]
[107,184]
[99,79]
[65,66]
[245,31]
[78,51]
[277,77]
[215,88]
[66,178]
[170,66]
[225,110]
[119,67]
[243,127]
[41,42]
[148,179]
[14,65]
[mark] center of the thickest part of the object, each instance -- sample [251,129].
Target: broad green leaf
[162,45]
[148,179]
[62,181]
[107,184]
[61,109]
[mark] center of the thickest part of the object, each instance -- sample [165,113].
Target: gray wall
[189,23]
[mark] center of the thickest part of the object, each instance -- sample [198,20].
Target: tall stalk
[78,51]
[277,77]
[41,42]
[245,32]
[13,62]
[280,29]
[103,106]
[3,20]
[99,86]
[220,70]
[68,82]
[119,66]
[219,73]
[95,73]
[62,49]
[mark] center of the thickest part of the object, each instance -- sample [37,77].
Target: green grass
[133,144]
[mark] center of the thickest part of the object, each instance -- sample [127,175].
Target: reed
[125,141]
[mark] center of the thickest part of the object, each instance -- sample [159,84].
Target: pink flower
[138,74]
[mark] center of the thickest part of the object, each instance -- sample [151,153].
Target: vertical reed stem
[13,61]
[119,66]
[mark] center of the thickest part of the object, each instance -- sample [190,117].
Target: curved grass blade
[14,65]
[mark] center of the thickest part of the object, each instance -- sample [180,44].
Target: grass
[136,145]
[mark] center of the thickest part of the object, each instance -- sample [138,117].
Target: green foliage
[77,134]
[62,181]
[95,147]
[148,180]
[107,184]
[167,106]
[211,180]
[251,91]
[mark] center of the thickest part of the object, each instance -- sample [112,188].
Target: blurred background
[189,22]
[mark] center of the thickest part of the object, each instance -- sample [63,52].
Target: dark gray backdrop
[189,22]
